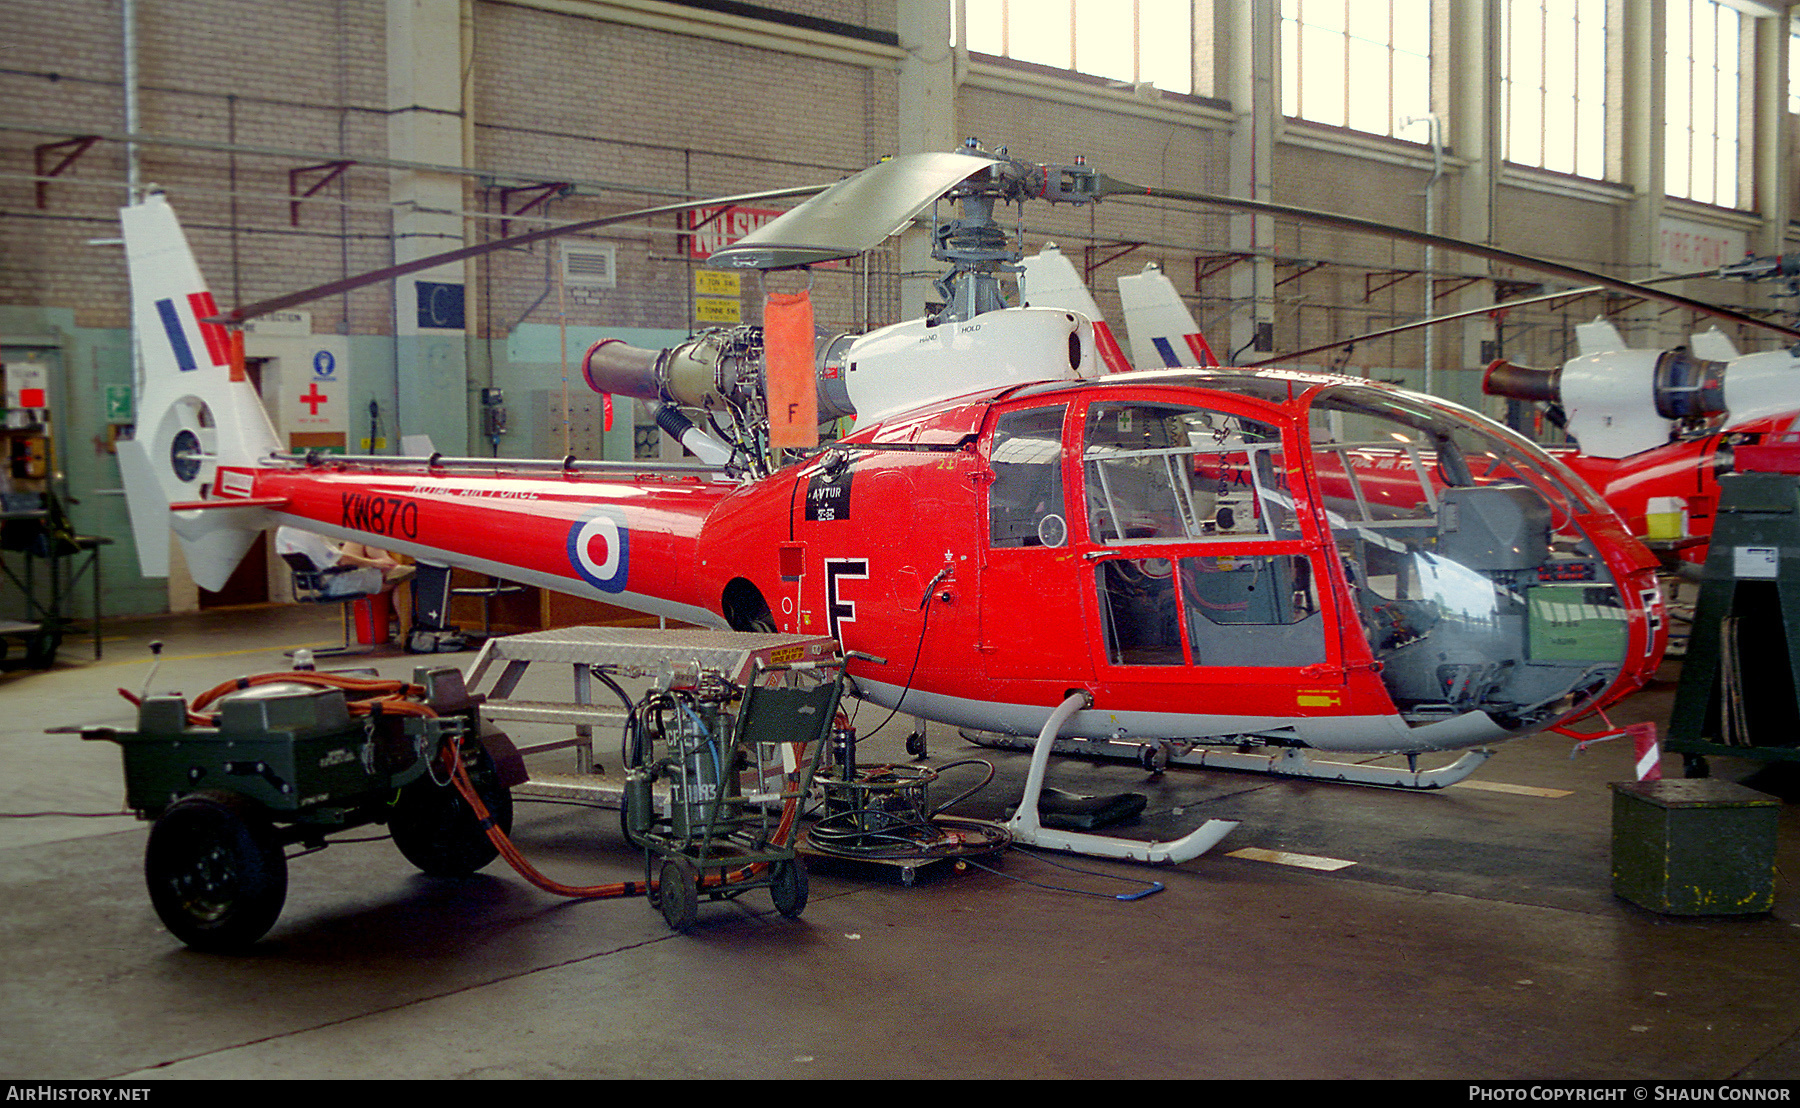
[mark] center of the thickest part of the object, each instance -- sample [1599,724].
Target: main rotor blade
[275,304]
[853,215]
[1108,186]
[1451,317]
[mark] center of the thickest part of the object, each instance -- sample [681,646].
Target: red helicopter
[1201,566]
[1655,429]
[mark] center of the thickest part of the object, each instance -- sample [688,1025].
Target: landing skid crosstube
[1278,762]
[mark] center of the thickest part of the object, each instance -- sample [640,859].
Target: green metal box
[287,749]
[1698,847]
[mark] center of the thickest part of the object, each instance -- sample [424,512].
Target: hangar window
[1363,65]
[1554,70]
[1131,41]
[1705,52]
[1794,66]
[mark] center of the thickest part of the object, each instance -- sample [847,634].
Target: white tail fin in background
[1050,282]
[1713,345]
[195,410]
[1598,337]
[1162,330]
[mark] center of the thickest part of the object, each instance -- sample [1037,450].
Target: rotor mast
[977,250]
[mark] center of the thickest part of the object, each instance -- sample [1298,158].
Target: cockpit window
[1228,610]
[1025,503]
[1166,472]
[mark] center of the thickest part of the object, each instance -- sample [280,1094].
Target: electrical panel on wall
[586,417]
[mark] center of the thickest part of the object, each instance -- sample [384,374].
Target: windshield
[1471,578]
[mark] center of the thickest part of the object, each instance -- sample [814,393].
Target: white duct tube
[1434,127]
[134,185]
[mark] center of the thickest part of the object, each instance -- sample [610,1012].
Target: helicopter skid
[1283,762]
[1026,829]
[1188,847]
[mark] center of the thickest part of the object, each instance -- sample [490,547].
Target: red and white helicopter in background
[1653,430]
[1656,429]
[1206,566]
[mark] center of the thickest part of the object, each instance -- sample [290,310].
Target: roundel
[600,549]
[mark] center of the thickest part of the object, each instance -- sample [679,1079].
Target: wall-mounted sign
[1688,246]
[27,385]
[440,305]
[118,403]
[716,282]
[710,310]
[716,228]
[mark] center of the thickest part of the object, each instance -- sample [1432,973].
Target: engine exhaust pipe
[703,372]
[613,366]
[1517,382]
[1683,386]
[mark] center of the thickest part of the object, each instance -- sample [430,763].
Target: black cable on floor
[1151,887]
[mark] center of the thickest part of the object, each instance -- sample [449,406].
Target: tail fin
[195,408]
[1050,282]
[1162,330]
[1714,345]
[1598,337]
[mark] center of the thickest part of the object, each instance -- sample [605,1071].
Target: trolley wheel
[436,829]
[678,893]
[915,745]
[1693,765]
[216,872]
[788,887]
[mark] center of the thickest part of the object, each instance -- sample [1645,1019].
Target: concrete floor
[1476,935]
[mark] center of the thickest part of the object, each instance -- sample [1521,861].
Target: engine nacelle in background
[866,376]
[1621,402]
[1618,402]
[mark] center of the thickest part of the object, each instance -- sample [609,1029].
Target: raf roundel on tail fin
[195,410]
[1162,331]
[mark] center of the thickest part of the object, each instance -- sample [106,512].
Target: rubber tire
[435,828]
[216,872]
[678,893]
[789,887]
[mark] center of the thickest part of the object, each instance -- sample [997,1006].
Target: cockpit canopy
[1459,546]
